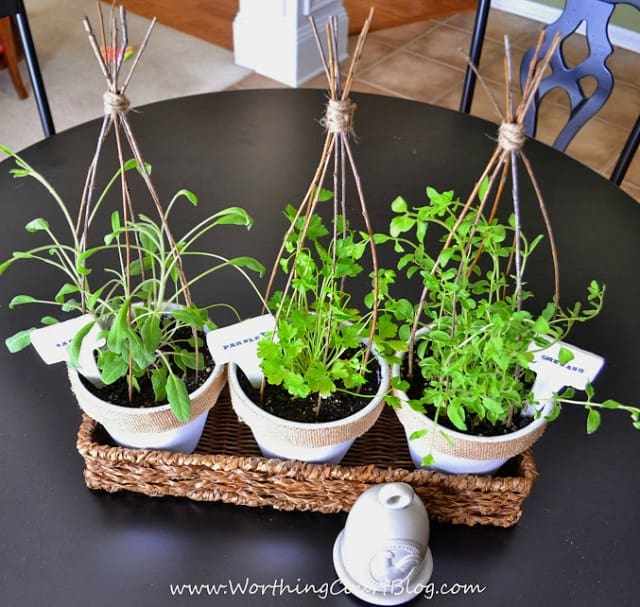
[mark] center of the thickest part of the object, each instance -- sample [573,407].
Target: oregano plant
[469,365]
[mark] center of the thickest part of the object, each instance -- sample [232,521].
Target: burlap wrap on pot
[149,420]
[302,434]
[468,447]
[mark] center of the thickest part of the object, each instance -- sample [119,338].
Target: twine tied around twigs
[339,115]
[511,136]
[115,103]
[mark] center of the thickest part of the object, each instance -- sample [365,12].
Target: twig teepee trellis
[116,107]
[336,152]
[503,161]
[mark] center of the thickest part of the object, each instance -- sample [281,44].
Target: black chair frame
[16,9]
[596,14]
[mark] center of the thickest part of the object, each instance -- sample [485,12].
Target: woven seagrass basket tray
[227,466]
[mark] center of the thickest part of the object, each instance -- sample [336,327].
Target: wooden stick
[485,86]
[323,57]
[136,59]
[357,54]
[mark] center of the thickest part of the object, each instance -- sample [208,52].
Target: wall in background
[625,22]
[624,15]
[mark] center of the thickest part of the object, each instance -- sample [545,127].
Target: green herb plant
[153,331]
[319,345]
[478,338]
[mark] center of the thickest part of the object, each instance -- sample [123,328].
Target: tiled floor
[423,61]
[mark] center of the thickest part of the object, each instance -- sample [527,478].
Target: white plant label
[238,343]
[52,344]
[552,375]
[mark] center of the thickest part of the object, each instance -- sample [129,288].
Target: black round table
[579,538]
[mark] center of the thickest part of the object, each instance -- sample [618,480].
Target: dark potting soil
[279,402]
[118,392]
[480,427]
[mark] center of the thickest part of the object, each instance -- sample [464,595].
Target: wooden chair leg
[11,56]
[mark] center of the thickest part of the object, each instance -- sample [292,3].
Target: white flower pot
[464,453]
[323,442]
[152,427]
[461,453]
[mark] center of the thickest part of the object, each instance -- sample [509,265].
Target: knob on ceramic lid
[396,496]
